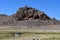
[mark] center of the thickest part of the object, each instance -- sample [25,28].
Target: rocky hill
[28,17]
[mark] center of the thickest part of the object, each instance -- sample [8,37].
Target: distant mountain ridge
[3,15]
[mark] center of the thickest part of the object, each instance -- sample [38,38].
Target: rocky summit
[29,13]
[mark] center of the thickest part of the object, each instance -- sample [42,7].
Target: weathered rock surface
[27,13]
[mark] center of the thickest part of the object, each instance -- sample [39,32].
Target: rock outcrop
[29,13]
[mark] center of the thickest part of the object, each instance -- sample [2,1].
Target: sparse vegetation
[35,35]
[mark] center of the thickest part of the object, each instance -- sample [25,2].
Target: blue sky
[50,7]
